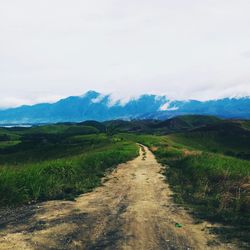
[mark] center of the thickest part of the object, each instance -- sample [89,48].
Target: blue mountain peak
[95,106]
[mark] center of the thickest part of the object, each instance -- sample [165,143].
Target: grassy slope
[61,162]
[47,142]
[176,124]
[61,178]
[245,124]
[57,162]
[214,185]
[228,138]
[187,122]
[199,120]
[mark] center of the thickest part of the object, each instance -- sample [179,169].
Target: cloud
[98,99]
[246,54]
[166,107]
[182,49]
[7,102]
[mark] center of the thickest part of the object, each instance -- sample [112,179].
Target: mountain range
[95,106]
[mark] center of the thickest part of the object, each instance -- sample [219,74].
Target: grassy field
[208,163]
[215,186]
[226,138]
[57,163]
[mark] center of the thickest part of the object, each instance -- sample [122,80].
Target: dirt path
[132,210]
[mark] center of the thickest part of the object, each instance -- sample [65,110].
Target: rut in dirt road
[133,209]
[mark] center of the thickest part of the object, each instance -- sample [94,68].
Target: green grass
[245,124]
[213,185]
[62,178]
[145,139]
[7,135]
[41,147]
[62,129]
[231,140]
[207,167]
[56,161]
[216,187]
[6,144]
[199,120]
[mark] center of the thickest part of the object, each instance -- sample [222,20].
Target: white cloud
[182,49]
[7,102]
[98,99]
[166,107]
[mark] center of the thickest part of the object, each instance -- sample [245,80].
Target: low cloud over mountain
[95,106]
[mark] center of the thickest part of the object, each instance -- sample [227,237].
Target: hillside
[227,137]
[208,169]
[175,124]
[205,162]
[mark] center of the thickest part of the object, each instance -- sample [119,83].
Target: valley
[133,209]
[182,183]
[124,125]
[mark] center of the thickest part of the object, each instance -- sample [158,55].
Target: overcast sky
[196,49]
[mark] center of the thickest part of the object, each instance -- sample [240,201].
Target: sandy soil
[133,209]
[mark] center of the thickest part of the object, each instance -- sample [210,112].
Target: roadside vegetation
[212,184]
[57,162]
[228,138]
[207,163]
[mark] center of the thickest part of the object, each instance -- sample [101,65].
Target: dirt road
[133,209]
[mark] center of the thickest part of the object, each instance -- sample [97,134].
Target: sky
[195,49]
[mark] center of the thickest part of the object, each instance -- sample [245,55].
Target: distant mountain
[94,106]
[224,108]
